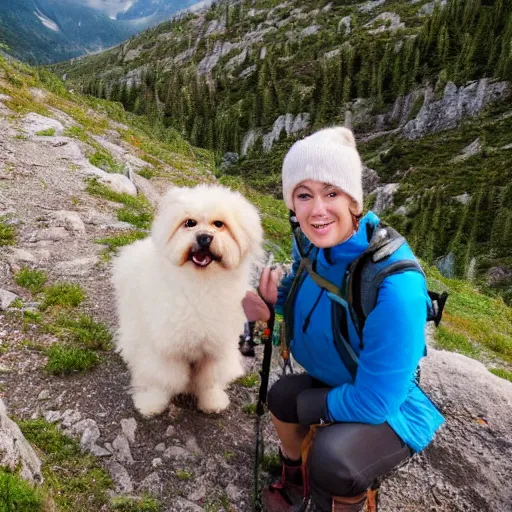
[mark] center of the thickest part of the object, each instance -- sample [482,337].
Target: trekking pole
[262,400]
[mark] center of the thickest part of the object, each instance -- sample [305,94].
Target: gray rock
[70,417]
[250,138]
[171,430]
[384,198]
[69,220]
[446,265]
[87,430]
[50,235]
[79,267]
[146,188]
[117,182]
[6,297]
[383,19]
[372,4]
[129,427]
[33,123]
[4,369]
[237,60]
[229,159]
[233,493]
[496,275]
[248,71]
[309,31]
[473,149]
[160,447]
[463,198]
[52,416]
[199,492]
[24,256]
[192,445]
[157,462]
[44,394]
[184,505]
[286,122]
[332,53]
[457,103]
[122,450]
[122,481]
[15,451]
[151,484]
[344,24]
[176,452]
[99,451]
[370,179]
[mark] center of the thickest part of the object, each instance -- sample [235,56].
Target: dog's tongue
[201,259]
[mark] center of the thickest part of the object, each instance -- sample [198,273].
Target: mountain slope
[251,77]
[53,30]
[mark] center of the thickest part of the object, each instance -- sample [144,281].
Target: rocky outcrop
[384,197]
[289,123]
[457,103]
[15,450]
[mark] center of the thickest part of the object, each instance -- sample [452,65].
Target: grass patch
[249,381]
[105,161]
[49,132]
[184,475]
[65,360]
[17,495]
[73,480]
[32,280]
[17,303]
[7,233]
[31,317]
[134,504]
[63,294]
[472,322]
[504,374]
[249,408]
[82,331]
[137,210]
[147,173]
[271,462]
[114,242]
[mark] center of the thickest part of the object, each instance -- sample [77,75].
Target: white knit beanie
[329,156]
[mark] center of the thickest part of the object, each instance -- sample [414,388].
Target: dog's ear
[168,217]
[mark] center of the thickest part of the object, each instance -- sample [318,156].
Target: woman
[378,420]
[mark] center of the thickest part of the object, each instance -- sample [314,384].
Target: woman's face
[323,212]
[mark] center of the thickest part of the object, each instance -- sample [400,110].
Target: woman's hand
[254,307]
[268,284]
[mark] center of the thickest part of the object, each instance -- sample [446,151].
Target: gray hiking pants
[345,458]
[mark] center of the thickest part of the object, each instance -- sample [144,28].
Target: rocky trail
[188,460]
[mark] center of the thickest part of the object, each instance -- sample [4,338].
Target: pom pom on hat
[329,156]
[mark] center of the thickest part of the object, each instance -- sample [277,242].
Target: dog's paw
[150,403]
[213,400]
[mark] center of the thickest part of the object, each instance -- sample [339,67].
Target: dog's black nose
[204,240]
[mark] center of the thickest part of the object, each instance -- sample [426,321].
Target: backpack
[358,291]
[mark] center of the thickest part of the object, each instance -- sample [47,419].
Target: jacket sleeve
[394,343]
[286,283]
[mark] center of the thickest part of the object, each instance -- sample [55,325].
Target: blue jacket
[393,338]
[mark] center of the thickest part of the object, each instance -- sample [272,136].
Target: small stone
[70,417]
[171,430]
[187,506]
[233,492]
[99,451]
[176,452]
[6,297]
[160,447]
[4,369]
[129,426]
[157,462]
[151,484]
[192,445]
[198,493]
[119,474]
[50,234]
[122,449]
[44,395]
[52,416]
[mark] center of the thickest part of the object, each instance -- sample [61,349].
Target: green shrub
[84,331]
[32,280]
[63,294]
[64,360]
[49,132]
[16,495]
[7,234]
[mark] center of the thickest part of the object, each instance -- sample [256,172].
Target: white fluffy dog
[179,296]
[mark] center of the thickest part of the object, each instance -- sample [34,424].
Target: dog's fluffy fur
[180,301]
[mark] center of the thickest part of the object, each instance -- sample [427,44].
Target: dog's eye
[218,223]
[190,223]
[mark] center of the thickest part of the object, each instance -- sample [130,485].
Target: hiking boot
[288,491]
